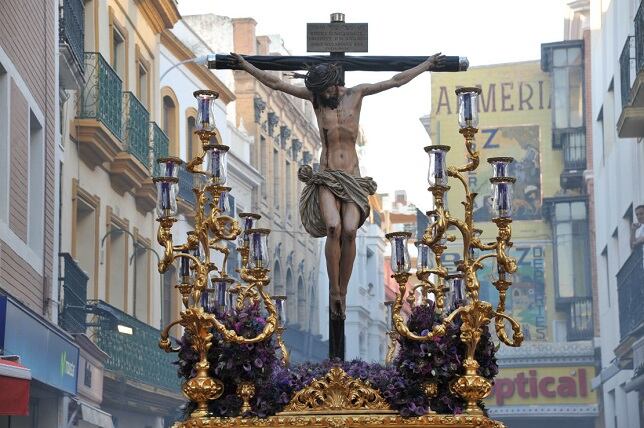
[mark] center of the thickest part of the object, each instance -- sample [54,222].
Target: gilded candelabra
[207,290]
[456,294]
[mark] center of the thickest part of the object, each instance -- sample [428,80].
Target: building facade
[29,155]
[285,136]
[112,132]
[526,112]
[617,37]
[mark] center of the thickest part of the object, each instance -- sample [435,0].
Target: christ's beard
[331,102]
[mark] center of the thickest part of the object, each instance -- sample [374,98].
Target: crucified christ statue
[334,203]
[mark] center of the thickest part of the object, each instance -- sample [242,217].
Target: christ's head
[325,82]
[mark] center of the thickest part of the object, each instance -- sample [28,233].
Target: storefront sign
[51,356]
[543,385]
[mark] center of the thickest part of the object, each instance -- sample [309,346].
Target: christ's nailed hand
[239,60]
[435,61]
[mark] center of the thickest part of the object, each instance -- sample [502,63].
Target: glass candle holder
[169,167]
[231,302]
[218,289]
[224,201]
[258,257]
[437,172]
[468,107]
[217,163]
[279,308]
[249,221]
[184,274]
[500,166]
[206,110]
[167,188]
[400,261]
[502,196]
[455,295]
[424,260]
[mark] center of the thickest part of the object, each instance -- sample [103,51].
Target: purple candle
[204,110]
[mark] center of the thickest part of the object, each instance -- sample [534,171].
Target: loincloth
[342,185]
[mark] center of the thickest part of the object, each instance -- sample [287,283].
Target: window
[565,62]
[276,180]
[141,283]
[142,85]
[571,249]
[169,124]
[288,195]
[301,304]
[568,78]
[116,267]
[118,52]
[263,159]
[194,144]
[36,184]
[606,268]
[84,246]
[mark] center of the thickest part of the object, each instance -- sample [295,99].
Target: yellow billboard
[543,385]
[515,120]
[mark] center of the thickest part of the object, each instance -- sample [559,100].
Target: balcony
[574,155]
[73,315]
[99,127]
[186,198]
[146,193]
[631,63]
[71,43]
[580,319]
[630,291]
[131,167]
[136,356]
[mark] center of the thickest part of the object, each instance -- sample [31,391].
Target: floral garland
[439,360]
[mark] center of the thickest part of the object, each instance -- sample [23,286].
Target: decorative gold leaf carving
[337,391]
[348,420]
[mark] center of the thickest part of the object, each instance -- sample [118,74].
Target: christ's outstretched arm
[401,78]
[272,81]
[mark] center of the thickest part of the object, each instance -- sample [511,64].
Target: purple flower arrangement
[439,360]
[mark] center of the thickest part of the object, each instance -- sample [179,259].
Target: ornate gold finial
[337,391]
[245,391]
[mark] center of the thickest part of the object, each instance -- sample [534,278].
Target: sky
[487,32]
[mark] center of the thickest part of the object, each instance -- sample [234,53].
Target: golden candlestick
[474,313]
[212,229]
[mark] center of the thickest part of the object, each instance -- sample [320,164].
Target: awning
[14,388]
[95,416]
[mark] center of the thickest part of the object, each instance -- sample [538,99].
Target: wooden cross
[337,38]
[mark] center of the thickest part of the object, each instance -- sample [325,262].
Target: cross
[337,38]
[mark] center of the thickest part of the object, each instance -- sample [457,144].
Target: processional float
[211,297]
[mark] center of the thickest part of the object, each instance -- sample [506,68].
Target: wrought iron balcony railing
[630,291]
[136,129]
[627,69]
[186,183]
[639,38]
[137,355]
[72,28]
[159,143]
[73,315]
[102,94]
[574,151]
[580,319]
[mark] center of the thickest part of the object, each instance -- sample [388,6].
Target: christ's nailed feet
[338,306]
